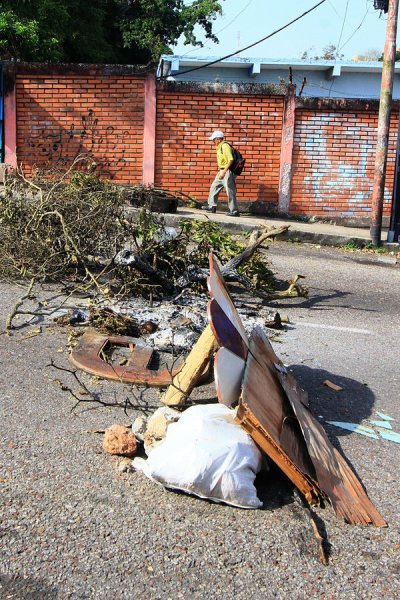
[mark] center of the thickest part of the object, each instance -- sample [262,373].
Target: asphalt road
[73,526]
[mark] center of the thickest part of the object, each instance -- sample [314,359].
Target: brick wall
[185,159]
[333,162]
[63,111]
[61,117]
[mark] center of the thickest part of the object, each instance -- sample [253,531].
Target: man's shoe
[233,213]
[208,208]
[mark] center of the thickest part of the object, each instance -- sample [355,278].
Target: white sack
[209,455]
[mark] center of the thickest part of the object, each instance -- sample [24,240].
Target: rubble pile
[215,451]
[146,288]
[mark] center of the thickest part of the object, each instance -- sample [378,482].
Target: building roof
[333,78]
[179,63]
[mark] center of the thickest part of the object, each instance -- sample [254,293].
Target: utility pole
[385,105]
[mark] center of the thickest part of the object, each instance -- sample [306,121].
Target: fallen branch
[139,263]
[194,274]
[95,399]
[14,311]
[294,290]
[234,263]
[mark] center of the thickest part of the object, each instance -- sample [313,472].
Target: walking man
[224,178]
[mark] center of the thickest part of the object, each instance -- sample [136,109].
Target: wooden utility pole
[385,105]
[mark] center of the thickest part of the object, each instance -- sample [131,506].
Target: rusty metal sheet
[89,355]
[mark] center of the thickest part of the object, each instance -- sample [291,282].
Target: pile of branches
[60,230]
[74,230]
[164,261]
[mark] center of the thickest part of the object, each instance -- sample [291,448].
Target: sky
[353,26]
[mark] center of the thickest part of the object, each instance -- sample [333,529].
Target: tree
[104,31]
[369,55]
[397,57]
[330,52]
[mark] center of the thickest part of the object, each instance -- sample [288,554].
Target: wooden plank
[192,369]
[334,476]
[262,438]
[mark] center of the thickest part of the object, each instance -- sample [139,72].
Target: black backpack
[238,160]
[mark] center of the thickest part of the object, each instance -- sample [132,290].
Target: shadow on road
[20,587]
[322,299]
[354,403]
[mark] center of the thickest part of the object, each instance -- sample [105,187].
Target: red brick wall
[61,117]
[333,163]
[185,158]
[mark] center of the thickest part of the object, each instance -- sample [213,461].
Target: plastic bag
[209,455]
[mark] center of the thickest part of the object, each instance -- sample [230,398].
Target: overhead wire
[223,28]
[235,18]
[356,29]
[298,81]
[334,8]
[338,49]
[341,31]
[213,62]
[340,39]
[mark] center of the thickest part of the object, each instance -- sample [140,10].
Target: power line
[340,38]
[234,18]
[223,28]
[334,8]
[355,31]
[322,87]
[250,45]
[341,31]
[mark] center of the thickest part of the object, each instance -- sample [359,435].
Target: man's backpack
[238,160]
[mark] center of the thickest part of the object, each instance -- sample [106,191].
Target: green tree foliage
[101,31]
[396,58]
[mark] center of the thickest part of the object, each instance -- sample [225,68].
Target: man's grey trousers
[229,184]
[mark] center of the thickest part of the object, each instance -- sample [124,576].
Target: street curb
[292,235]
[236,226]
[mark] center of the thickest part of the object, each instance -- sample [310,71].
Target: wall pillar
[10,116]
[149,136]
[286,159]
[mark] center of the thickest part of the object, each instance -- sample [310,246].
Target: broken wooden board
[274,411]
[196,363]
[265,413]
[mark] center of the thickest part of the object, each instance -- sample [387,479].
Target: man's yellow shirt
[224,155]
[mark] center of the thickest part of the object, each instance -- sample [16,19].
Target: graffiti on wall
[62,146]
